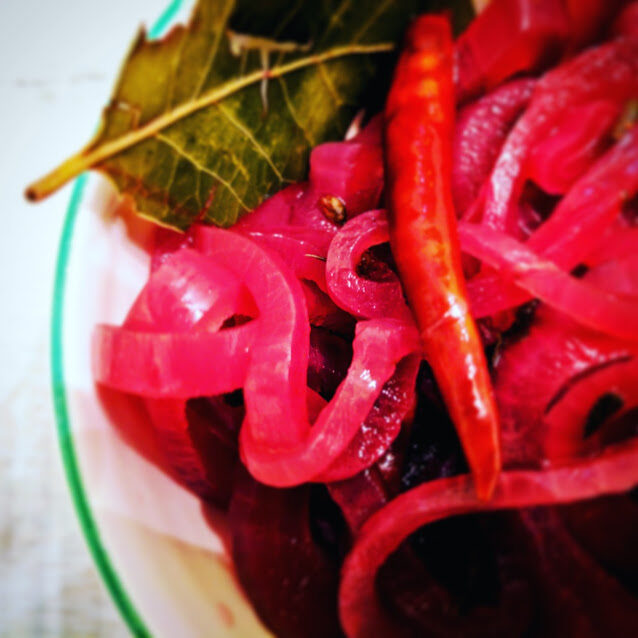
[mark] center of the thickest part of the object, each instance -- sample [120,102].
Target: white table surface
[58,63]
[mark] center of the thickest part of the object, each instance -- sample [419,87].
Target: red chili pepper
[419,130]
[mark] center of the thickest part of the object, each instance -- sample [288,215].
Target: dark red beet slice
[463,577]
[328,361]
[535,573]
[360,496]
[434,449]
[363,494]
[579,598]
[606,528]
[213,427]
[290,579]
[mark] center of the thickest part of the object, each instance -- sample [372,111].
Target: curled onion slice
[153,355]
[382,425]
[609,71]
[481,129]
[275,386]
[361,613]
[187,292]
[613,389]
[532,373]
[304,256]
[173,365]
[277,443]
[183,287]
[573,232]
[588,305]
[377,348]
[359,296]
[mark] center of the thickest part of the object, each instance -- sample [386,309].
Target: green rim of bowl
[91,532]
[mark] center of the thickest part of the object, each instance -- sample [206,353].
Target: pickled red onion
[586,304]
[572,233]
[362,297]
[377,348]
[609,71]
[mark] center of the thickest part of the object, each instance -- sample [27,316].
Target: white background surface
[58,62]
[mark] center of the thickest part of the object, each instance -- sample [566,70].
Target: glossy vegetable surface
[348,380]
[419,127]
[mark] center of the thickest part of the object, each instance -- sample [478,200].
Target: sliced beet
[579,597]
[466,577]
[213,426]
[290,578]
[606,528]
[328,361]
[434,449]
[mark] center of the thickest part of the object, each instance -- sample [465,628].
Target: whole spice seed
[334,208]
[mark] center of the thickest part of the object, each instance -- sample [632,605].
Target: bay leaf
[208,121]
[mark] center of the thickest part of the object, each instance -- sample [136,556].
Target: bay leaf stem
[96,153]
